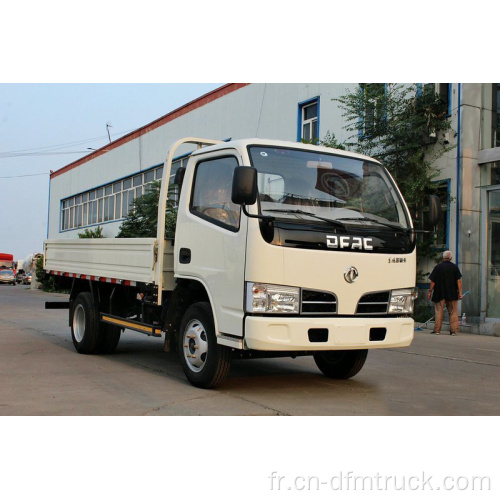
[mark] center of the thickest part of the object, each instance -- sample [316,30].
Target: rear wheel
[85,324]
[340,364]
[109,336]
[205,363]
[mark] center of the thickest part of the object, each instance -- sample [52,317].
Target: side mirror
[244,186]
[179,176]
[434,209]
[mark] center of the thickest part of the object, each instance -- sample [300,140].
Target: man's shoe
[435,333]
[453,333]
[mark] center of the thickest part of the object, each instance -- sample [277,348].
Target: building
[99,188]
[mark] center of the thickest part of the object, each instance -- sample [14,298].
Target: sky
[44,127]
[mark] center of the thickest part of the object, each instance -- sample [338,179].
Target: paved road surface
[42,374]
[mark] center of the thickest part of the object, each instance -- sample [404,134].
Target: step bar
[150,330]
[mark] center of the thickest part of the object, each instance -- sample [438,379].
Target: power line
[55,146]
[7,154]
[43,154]
[27,175]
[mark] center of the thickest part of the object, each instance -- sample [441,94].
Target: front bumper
[292,334]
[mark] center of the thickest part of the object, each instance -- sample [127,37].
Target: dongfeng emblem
[351,274]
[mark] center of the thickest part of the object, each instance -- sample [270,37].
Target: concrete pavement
[42,374]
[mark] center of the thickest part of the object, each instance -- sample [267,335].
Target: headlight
[264,298]
[402,301]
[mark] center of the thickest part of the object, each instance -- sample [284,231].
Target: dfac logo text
[352,242]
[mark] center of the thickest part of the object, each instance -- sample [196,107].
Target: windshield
[306,184]
[7,272]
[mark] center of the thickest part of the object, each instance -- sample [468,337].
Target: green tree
[402,126]
[142,220]
[91,233]
[330,141]
[46,281]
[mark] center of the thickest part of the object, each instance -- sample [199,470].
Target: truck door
[211,236]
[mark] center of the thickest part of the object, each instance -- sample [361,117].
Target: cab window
[211,197]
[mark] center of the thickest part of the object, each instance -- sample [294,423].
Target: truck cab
[323,258]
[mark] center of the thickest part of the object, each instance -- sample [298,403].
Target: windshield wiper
[333,222]
[386,224]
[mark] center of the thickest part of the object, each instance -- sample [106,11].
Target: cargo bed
[124,259]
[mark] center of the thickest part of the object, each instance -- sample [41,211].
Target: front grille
[316,302]
[373,303]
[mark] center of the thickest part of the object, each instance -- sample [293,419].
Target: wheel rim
[79,323]
[195,345]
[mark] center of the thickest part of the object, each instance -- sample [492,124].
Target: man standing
[446,289]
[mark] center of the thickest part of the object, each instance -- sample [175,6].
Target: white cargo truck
[280,249]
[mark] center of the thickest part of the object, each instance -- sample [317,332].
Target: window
[309,121]
[149,177]
[125,204]
[441,234]
[118,205]
[493,255]
[111,202]
[93,212]
[444,91]
[424,88]
[211,196]
[373,120]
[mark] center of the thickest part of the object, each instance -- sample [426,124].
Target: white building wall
[258,110]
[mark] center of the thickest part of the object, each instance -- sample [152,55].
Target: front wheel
[340,364]
[205,363]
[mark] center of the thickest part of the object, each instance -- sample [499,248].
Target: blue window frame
[308,121]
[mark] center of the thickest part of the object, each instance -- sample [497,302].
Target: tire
[205,363]
[109,336]
[340,364]
[85,323]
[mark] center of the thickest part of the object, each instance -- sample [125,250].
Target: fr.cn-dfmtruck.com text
[349,481]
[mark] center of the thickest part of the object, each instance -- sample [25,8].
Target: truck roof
[242,144]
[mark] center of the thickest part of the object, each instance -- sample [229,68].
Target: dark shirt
[445,277]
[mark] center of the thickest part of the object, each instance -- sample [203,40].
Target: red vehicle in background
[7,269]
[7,261]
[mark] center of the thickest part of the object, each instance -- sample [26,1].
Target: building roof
[176,113]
